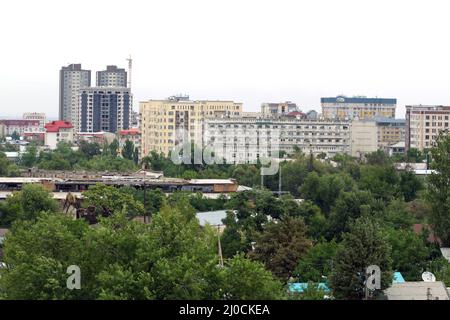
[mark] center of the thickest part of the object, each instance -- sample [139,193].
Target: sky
[241,50]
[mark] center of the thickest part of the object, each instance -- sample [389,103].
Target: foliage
[409,253]
[26,204]
[128,150]
[248,280]
[104,197]
[170,258]
[281,244]
[439,188]
[364,245]
[316,265]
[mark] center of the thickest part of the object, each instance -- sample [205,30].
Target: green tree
[364,245]
[409,253]
[350,206]
[128,150]
[409,185]
[317,264]
[247,175]
[89,150]
[381,181]
[27,204]
[324,190]
[38,254]
[439,188]
[281,245]
[104,197]
[244,279]
[29,158]
[15,136]
[114,148]
[136,156]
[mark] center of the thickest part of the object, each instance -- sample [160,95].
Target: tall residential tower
[112,77]
[71,79]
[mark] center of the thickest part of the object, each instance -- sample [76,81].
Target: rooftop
[55,126]
[344,99]
[418,291]
[130,131]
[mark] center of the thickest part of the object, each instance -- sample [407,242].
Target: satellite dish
[428,277]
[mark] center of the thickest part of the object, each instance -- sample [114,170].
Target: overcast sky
[247,51]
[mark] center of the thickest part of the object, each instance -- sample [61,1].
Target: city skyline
[250,53]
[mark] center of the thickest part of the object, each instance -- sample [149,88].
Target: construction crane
[130,66]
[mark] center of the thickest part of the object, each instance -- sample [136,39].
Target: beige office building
[363,137]
[166,123]
[423,125]
[360,107]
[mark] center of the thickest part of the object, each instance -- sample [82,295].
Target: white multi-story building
[41,117]
[58,131]
[423,125]
[20,126]
[71,80]
[105,109]
[248,139]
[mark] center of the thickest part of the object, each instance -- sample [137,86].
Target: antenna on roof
[130,66]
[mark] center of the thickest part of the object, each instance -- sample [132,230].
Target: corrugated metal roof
[212,181]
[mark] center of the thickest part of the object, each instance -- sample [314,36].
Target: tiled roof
[55,126]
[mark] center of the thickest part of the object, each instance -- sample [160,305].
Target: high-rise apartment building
[423,125]
[105,109]
[342,107]
[112,77]
[162,121]
[71,79]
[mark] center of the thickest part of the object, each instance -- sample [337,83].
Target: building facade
[272,109]
[20,126]
[95,137]
[133,135]
[57,131]
[105,109]
[342,107]
[423,125]
[364,137]
[112,77]
[165,123]
[241,140]
[390,131]
[2,130]
[71,79]
[41,117]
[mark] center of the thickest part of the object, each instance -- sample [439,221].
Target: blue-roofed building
[398,278]
[300,287]
[360,107]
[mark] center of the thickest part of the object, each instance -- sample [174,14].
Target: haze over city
[246,51]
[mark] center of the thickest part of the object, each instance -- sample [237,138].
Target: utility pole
[279,180]
[145,200]
[220,247]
